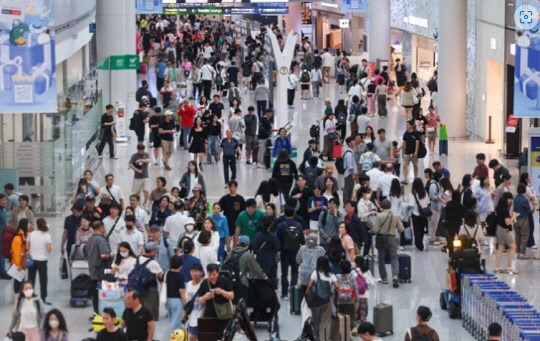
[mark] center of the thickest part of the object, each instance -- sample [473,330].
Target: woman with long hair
[418,199]
[266,246]
[369,135]
[322,280]
[264,195]
[214,138]
[505,219]
[341,116]
[530,193]
[39,246]
[347,243]
[161,212]
[197,141]
[454,215]
[124,262]
[54,326]
[190,179]
[19,250]
[408,100]
[483,198]
[198,206]
[83,191]
[284,172]
[467,196]
[28,313]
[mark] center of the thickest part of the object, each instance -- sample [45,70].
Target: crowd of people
[299,228]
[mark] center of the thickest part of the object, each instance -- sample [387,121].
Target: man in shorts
[154,132]
[139,163]
[410,143]
[167,128]
[252,144]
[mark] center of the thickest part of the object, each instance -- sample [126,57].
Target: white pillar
[452,78]
[115,22]
[293,20]
[379,30]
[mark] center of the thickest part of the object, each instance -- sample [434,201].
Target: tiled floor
[428,268]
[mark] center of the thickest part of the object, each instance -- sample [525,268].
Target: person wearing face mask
[54,328]
[28,313]
[132,235]
[124,262]
[190,229]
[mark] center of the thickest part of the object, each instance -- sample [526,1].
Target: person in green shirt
[248,221]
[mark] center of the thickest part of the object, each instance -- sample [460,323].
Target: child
[347,300]
[362,270]
[394,157]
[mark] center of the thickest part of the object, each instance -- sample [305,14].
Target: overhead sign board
[354,5]
[193,10]
[260,10]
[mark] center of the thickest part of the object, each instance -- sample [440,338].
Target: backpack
[291,238]
[432,84]
[414,335]
[140,278]
[367,162]
[341,117]
[361,283]
[231,266]
[8,233]
[345,289]
[170,56]
[491,224]
[311,175]
[473,243]
[318,61]
[340,163]
[314,131]
[304,77]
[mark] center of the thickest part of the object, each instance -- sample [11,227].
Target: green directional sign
[193,10]
[121,62]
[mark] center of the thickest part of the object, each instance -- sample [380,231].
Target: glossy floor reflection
[428,268]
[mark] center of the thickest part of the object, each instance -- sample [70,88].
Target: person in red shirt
[187,113]
[481,169]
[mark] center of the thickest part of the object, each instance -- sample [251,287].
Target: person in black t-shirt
[232,204]
[216,107]
[410,143]
[421,123]
[246,73]
[154,122]
[140,118]
[137,319]
[111,331]
[176,293]
[232,72]
[166,130]
[106,134]
[215,290]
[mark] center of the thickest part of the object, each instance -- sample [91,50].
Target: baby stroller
[263,300]
[79,277]
[462,261]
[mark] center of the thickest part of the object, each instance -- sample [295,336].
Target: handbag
[415,99]
[163,291]
[223,310]
[29,261]
[425,212]
[101,133]
[63,268]
[332,136]
[312,298]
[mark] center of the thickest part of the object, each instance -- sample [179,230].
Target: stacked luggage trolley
[485,299]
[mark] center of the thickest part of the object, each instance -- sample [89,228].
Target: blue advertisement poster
[149,6]
[354,5]
[527,59]
[27,63]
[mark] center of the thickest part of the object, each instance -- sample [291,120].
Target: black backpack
[318,61]
[80,286]
[231,267]
[304,77]
[291,238]
[315,131]
[340,163]
[473,243]
[171,57]
[432,84]
[311,175]
[341,117]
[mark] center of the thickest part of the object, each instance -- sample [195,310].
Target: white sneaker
[401,248]
[534,247]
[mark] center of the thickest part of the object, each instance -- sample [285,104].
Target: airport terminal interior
[328,117]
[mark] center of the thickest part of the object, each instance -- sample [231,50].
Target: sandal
[499,271]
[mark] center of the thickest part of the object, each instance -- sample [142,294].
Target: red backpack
[7,238]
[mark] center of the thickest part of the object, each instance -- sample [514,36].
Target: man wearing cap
[174,226]
[99,255]
[71,224]
[248,266]
[163,256]
[114,225]
[167,128]
[132,236]
[230,148]
[105,202]
[151,298]
[139,163]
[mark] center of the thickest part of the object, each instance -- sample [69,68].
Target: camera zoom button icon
[526,17]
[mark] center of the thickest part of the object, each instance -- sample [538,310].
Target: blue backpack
[140,278]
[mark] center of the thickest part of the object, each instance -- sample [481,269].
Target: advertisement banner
[27,63]
[149,6]
[354,6]
[527,59]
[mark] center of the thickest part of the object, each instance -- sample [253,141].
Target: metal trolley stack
[485,299]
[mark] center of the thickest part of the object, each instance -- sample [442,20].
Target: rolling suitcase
[383,319]
[295,299]
[404,261]
[369,264]
[208,328]
[336,150]
[340,328]
[144,68]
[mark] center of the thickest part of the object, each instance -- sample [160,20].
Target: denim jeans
[175,308]
[261,107]
[185,135]
[221,250]
[2,265]
[213,146]
[288,259]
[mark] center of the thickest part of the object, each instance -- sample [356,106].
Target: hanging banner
[149,6]
[27,63]
[354,6]
[527,59]
[511,124]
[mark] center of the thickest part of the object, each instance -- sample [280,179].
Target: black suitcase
[404,261]
[295,299]
[207,328]
[80,286]
[383,319]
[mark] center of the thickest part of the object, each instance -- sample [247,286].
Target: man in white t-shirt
[140,214]
[327,61]
[385,182]
[375,175]
[292,84]
[114,191]
[355,90]
[114,225]
[208,74]
[132,236]
[174,226]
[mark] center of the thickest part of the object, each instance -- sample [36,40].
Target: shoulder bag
[223,310]
[112,228]
[425,212]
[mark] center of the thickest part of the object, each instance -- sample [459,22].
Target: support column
[379,30]
[116,23]
[452,78]
[293,20]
